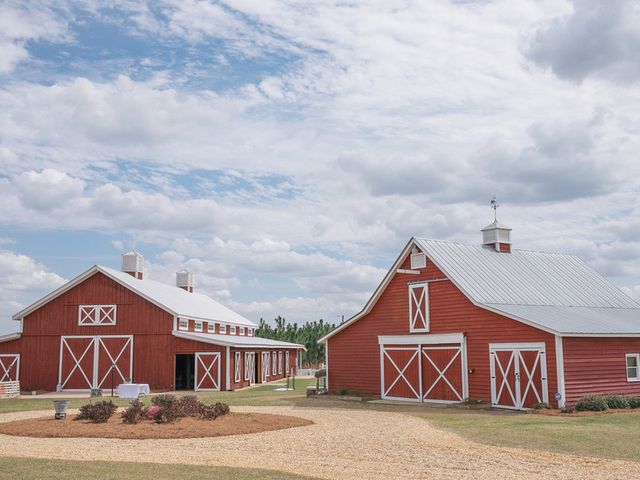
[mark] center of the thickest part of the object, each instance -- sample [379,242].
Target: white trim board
[430,339]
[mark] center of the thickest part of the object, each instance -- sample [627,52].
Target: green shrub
[634,402]
[211,412]
[98,412]
[616,401]
[164,400]
[592,403]
[189,406]
[134,412]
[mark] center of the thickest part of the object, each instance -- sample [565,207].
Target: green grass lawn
[614,435]
[13,468]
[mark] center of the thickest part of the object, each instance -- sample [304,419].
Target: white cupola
[496,234]
[184,280]
[133,264]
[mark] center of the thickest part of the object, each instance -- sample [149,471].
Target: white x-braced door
[518,375]
[424,373]
[95,361]
[9,367]
[207,371]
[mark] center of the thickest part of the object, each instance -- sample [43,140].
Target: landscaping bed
[187,427]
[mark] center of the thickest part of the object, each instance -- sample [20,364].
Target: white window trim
[274,364]
[95,314]
[413,315]
[223,329]
[197,326]
[233,330]
[637,357]
[268,363]
[280,363]
[250,332]
[238,367]
[247,361]
[211,327]
[183,324]
[241,331]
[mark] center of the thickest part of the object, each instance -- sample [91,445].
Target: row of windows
[199,326]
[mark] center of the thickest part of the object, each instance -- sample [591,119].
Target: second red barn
[516,328]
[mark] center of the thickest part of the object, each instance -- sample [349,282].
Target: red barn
[451,322]
[107,324]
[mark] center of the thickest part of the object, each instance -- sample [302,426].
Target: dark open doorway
[185,371]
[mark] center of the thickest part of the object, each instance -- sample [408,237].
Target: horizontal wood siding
[597,365]
[354,353]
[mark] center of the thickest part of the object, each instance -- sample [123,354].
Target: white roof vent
[184,280]
[497,235]
[133,264]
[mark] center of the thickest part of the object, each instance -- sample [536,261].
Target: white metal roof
[523,277]
[554,292]
[236,341]
[576,321]
[175,300]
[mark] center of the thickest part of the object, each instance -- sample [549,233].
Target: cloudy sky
[285,151]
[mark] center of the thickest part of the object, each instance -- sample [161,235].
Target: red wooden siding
[598,365]
[12,346]
[354,353]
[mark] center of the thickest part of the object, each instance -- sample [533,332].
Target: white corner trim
[430,339]
[560,371]
[228,368]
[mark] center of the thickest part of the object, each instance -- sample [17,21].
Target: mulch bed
[230,424]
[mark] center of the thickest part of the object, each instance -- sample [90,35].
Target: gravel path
[342,444]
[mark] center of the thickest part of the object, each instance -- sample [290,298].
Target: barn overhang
[237,342]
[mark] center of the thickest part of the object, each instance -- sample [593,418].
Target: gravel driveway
[342,444]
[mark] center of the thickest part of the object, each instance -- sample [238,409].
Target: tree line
[308,335]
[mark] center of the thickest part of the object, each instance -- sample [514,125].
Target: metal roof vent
[496,234]
[133,264]
[184,280]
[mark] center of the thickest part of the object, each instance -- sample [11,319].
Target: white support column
[228,369]
[560,371]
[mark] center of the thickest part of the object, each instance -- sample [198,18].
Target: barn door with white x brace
[207,371]
[433,372]
[9,367]
[95,361]
[518,375]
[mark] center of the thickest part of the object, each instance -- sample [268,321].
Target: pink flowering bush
[152,411]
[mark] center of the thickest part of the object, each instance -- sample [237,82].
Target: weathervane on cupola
[497,235]
[494,205]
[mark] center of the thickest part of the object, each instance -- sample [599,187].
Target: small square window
[418,260]
[250,332]
[233,330]
[183,324]
[223,328]
[211,327]
[198,326]
[633,367]
[242,331]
